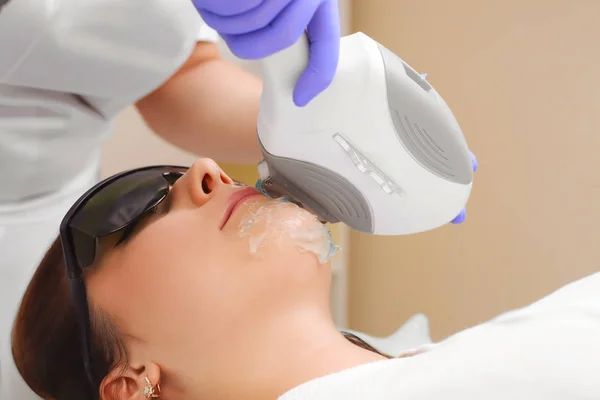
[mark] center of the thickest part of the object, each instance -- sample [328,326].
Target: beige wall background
[522,79]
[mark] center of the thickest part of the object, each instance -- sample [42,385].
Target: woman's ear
[131,383]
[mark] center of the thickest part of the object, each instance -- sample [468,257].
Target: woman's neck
[322,356]
[288,353]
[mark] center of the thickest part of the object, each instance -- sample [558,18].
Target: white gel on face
[278,220]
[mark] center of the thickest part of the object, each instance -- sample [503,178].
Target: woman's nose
[205,178]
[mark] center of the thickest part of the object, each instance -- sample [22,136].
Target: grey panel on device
[327,193]
[440,151]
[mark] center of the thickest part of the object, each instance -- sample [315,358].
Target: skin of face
[195,306]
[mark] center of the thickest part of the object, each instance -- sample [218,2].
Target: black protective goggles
[110,207]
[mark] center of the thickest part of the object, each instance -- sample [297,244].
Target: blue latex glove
[255,29]
[463,214]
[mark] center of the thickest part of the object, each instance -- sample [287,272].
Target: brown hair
[46,343]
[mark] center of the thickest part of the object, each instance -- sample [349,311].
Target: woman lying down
[184,285]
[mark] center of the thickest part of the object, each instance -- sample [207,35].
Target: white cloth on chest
[547,351]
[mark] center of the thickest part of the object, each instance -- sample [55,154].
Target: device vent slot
[422,146]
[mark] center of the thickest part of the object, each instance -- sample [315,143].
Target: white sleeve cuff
[207,34]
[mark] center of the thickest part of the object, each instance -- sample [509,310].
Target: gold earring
[150,392]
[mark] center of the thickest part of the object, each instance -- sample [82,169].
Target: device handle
[282,70]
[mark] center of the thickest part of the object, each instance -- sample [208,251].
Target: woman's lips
[235,200]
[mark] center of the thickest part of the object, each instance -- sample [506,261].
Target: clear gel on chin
[272,221]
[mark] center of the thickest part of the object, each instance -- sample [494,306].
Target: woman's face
[207,274]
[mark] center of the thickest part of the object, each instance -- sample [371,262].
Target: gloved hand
[255,29]
[463,214]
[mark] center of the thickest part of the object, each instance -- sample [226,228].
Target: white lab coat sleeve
[207,34]
[105,51]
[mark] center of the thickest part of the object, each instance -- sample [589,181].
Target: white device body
[355,110]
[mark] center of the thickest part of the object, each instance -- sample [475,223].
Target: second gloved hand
[460,218]
[255,29]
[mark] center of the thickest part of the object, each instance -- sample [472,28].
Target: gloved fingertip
[317,77]
[474,161]
[461,217]
[304,91]
[308,87]
[301,99]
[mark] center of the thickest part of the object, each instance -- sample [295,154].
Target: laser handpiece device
[378,150]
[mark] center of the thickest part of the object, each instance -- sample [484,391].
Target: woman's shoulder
[97,48]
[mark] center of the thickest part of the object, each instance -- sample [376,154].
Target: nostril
[225,179]
[206,183]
